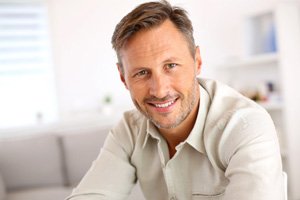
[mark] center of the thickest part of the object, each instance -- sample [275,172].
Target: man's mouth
[164,105]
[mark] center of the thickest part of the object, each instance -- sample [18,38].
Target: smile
[164,105]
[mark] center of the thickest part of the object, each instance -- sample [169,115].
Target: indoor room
[61,91]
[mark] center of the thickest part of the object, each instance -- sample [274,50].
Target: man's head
[159,62]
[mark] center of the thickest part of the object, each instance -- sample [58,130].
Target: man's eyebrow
[170,59]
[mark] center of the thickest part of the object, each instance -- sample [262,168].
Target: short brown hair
[149,15]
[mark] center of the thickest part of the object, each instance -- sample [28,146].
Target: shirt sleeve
[250,152]
[111,175]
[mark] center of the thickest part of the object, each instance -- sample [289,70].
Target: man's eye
[141,73]
[171,65]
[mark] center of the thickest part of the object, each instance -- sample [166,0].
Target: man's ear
[198,60]
[121,73]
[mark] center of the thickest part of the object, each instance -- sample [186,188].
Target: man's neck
[180,133]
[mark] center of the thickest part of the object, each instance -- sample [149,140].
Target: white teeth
[164,105]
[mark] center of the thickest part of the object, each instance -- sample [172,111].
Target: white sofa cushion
[31,161]
[81,148]
[49,193]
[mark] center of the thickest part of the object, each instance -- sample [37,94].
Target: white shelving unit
[278,64]
[252,61]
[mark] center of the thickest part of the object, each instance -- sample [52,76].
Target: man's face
[160,73]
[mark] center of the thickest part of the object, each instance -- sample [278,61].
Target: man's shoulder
[232,121]
[227,104]
[225,99]
[132,122]
[217,89]
[230,110]
[130,129]
[133,117]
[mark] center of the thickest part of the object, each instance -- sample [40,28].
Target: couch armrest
[2,189]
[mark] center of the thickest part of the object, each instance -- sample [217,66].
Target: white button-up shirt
[232,153]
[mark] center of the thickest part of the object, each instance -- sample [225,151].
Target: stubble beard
[185,108]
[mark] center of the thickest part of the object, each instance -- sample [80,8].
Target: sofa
[48,164]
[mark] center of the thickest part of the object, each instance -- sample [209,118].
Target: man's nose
[159,85]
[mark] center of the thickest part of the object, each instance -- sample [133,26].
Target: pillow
[32,160]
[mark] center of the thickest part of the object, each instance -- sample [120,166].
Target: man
[189,138]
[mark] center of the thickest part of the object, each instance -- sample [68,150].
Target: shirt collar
[151,131]
[195,138]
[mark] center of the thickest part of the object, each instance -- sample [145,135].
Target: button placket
[169,181]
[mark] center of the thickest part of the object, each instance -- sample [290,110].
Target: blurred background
[57,66]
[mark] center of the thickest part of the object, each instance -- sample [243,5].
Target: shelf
[259,60]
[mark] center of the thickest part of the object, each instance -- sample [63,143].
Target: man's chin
[164,125]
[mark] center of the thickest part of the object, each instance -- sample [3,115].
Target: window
[27,89]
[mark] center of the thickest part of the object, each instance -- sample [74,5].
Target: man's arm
[250,154]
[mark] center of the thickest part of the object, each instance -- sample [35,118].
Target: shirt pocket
[199,196]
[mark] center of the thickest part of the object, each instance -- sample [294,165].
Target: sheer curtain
[27,87]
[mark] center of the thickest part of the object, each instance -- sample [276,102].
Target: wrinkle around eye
[141,73]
